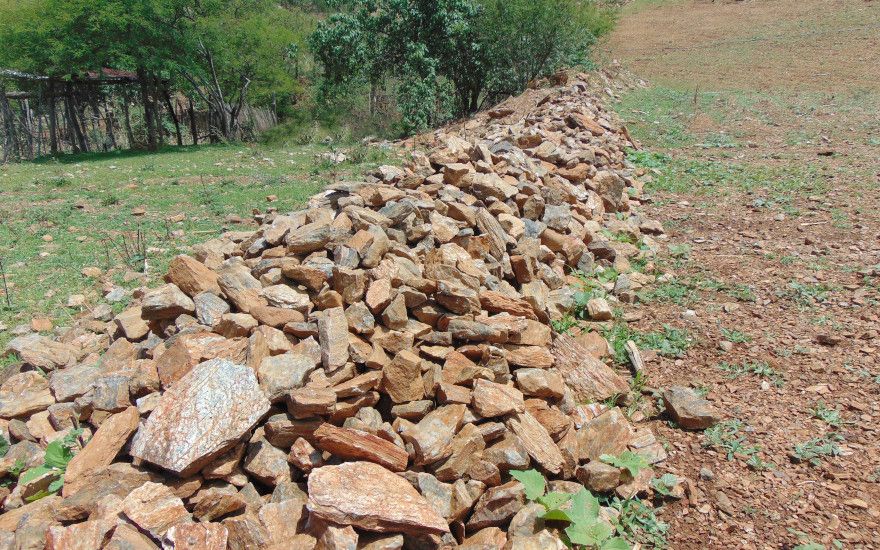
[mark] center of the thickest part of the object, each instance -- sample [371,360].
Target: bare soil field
[761,136]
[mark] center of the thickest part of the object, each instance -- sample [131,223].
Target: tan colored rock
[166,302]
[353,444]
[402,378]
[132,324]
[266,463]
[537,441]
[154,509]
[42,352]
[589,378]
[197,536]
[688,409]
[192,276]
[200,416]
[369,497]
[530,356]
[491,399]
[540,383]
[599,310]
[609,433]
[432,437]
[101,449]
[333,334]
[240,286]
[81,536]
[495,302]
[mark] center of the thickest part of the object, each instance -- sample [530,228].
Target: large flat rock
[200,416]
[373,498]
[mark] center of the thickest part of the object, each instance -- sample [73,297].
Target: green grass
[84,203]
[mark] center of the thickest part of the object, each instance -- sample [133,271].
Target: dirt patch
[776,281]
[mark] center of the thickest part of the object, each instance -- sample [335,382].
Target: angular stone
[312,237]
[530,357]
[370,497]
[599,310]
[598,476]
[127,537]
[197,536]
[81,536]
[491,399]
[497,506]
[245,532]
[240,287]
[333,335]
[395,316]
[537,441]
[609,433]
[13,405]
[308,402]
[432,437]
[130,323]
[286,297]
[281,520]
[215,501]
[154,509]
[304,456]
[589,378]
[101,449]
[540,383]
[466,446]
[266,463]
[42,352]
[279,374]
[352,444]
[688,409]
[200,416]
[166,302]
[496,302]
[191,276]
[402,378]
[457,299]
[351,284]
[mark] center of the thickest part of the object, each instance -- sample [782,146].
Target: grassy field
[59,216]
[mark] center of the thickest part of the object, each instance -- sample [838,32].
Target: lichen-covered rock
[200,416]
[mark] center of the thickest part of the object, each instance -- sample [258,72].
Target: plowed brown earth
[789,272]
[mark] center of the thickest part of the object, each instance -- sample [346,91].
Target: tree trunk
[53,120]
[108,120]
[10,142]
[127,121]
[193,127]
[149,117]
[174,118]
[71,124]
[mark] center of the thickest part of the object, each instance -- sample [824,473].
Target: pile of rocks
[363,373]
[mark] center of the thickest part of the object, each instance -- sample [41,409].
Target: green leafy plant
[725,437]
[671,291]
[4,446]
[735,336]
[580,510]
[758,368]
[664,484]
[639,523]
[628,460]
[829,416]
[58,455]
[815,449]
[672,342]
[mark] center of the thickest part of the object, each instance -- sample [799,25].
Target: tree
[479,48]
